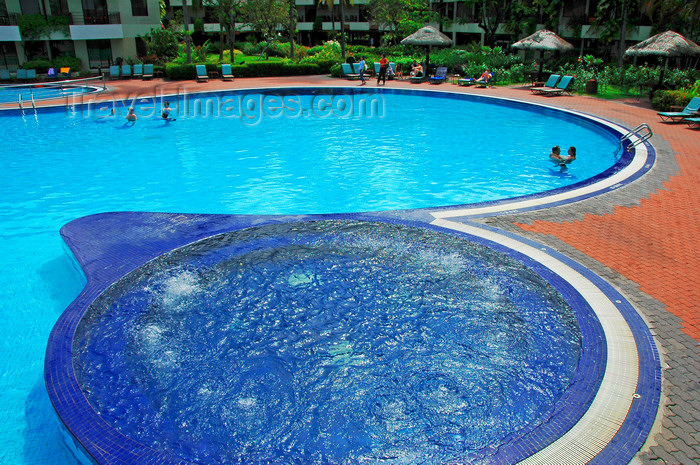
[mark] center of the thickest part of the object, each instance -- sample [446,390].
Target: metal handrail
[640,137]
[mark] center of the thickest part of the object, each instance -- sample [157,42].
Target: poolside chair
[691,110]
[484,84]
[202,75]
[440,75]
[563,86]
[147,71]
[692,122]
[466,82]
[114,72]
[356,69]
[65,72]
[348,71]
[21,74]
[126,71]
[138,70]
[226,74]
[31,75]
[52,74]
[4,74]
[550,84]
[376,67]
[391,72]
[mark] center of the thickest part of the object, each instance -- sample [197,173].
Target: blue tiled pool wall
[86,423]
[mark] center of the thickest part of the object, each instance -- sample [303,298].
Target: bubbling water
[327,342]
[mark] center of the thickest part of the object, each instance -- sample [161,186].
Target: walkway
[642,238]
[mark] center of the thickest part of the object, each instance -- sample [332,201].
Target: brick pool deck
[642,238]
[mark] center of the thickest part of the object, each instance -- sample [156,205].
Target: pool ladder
[21,107]
[641,136]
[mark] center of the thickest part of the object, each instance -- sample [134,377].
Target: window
[8,55]
[58,7]
[62,48]
[99,53]
[30,7]
[139,8]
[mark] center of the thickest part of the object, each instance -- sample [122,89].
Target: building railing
[10,19]
[90,18]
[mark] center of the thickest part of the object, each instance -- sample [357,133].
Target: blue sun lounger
[550,84]
[440,75]
[692,122]
[348,71]
[560,88]
[202,75]
[147,71]
[226,74]
[690,111]
[114,72]
[126,71]
[138,70]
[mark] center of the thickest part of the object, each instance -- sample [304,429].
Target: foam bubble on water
[247,402]
[449,263]
[179,286]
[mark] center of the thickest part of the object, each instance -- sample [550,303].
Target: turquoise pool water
[422,152]
[11,94]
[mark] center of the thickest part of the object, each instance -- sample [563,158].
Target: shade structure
[544,41]
[667,44]
[427,36]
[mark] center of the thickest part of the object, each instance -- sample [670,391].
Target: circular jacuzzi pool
[329,342]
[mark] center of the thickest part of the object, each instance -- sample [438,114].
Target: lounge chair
[202,75]
[52,74]
[126,71]
[484,84]
[65,72]
[418,79]
[550,84]
[4,74]
[348,71]
[466,82]
[114,72]
[692,122]
[138,70]
[226,74]
[690,111]
[563,86]
[31,75]
[21,74]
[147,71]
[356,69]
[440,75]
[376,67]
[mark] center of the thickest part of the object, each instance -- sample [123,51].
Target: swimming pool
[65,165]
[42,91]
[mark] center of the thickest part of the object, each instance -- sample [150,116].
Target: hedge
[42,66]
[254,69]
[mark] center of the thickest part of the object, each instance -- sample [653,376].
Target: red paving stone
[653,244]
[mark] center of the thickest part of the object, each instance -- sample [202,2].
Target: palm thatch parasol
[427,36]
[544,41]
[667,44]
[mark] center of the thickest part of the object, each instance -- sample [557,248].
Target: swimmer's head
[572,151]
[556,149]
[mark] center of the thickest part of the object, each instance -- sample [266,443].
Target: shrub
[177,72]
[337,70]
[68,62]
[664,99]
[41,66]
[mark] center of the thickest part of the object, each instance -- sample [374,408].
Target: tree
[682,16]
[226,12]
[163,43]
[525,15]
[266,16]
[613,20]
[490,15]
[402,17]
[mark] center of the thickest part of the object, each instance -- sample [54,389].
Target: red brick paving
[653,244]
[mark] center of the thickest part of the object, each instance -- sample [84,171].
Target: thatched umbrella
[667,44]
[544,41]
[427,36]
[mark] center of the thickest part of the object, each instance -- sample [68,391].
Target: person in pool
[556,158]
[165,113]
[131,116]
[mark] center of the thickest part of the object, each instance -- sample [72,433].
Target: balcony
[91,25]
[9,19]
[94,18]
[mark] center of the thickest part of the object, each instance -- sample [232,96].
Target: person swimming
[130,116]
[556,158]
